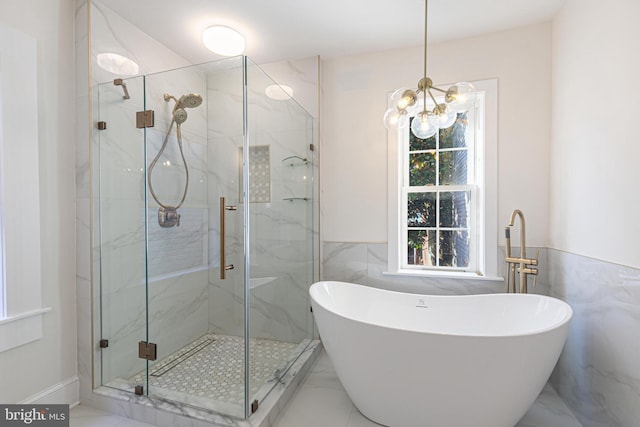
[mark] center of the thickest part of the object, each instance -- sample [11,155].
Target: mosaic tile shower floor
[212,367]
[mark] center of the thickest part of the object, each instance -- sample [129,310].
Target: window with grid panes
[439,229]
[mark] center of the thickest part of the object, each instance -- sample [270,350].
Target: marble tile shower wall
[598,374]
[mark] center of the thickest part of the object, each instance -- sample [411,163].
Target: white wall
[353,138]
[595,147]
[33,368]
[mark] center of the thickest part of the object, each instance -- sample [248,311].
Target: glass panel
[453,167]
[455,135]
[421,209]
[421,247]
[454,248]
[422,169]
[195,317]
[281,164]
[454,209]
[122,246]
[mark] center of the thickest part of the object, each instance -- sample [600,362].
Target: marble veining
[598,374]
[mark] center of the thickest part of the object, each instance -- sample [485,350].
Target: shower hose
[155,160]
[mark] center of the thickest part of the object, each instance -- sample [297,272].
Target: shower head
[180,115]
[191,100]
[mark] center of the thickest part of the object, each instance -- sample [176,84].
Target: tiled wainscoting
[598,374]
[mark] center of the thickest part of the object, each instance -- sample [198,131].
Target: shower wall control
[168,217]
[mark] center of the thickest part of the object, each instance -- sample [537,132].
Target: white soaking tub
[409,360]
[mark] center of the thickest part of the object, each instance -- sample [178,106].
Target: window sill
[458,275]
[21,329]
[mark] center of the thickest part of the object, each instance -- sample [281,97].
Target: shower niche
[205,263]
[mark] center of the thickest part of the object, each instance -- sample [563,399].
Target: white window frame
[21,319]
[484,196]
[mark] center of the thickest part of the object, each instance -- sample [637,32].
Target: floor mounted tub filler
[409,360]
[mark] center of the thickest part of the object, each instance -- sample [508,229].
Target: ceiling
[286,29]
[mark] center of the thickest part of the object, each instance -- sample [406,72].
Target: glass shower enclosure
[206,235]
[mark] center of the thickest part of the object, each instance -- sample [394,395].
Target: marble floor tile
[85,416]
[322,402]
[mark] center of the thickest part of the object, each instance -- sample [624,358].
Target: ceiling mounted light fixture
[223,40]
[405,103]
[117,64]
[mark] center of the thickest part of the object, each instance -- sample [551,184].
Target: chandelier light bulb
[396,119]
[391,118]
[446,116]
[460,97]
[402,98]
[423,125]
[408,99]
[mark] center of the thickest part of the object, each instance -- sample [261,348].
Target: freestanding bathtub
[409,360]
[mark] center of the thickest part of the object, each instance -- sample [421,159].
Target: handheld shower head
[180,115]
[191,100]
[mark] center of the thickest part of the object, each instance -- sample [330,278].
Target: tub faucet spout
[523,265]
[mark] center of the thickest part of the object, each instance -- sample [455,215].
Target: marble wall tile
[302,76]
[366,264]
[598,375]
[112,33]
[345,262]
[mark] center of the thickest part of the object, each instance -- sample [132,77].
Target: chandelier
[428,114]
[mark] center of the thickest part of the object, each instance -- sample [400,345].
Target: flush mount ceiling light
[223,40]
[117,64]
[279,92]
[405,103]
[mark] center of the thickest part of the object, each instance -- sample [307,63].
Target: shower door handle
[223,260]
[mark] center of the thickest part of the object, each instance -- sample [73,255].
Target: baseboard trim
[65,392]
